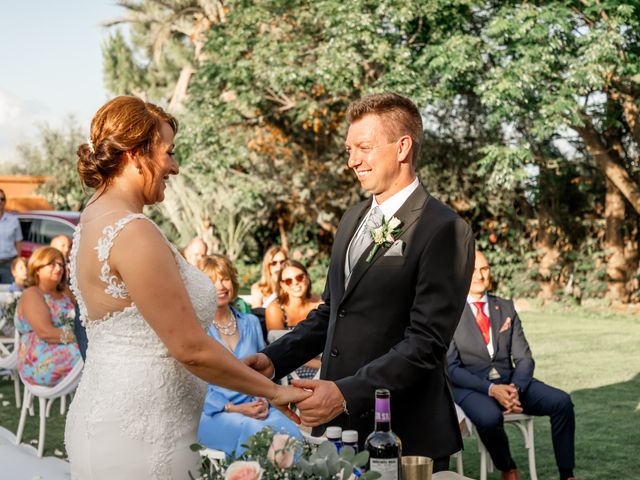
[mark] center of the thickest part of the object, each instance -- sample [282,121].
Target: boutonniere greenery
[384,235]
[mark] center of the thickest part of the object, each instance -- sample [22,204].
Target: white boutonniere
[384,235]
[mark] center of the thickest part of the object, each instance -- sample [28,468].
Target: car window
[48,229]
[25,226]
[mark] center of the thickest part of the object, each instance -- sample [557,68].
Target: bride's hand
[287,396]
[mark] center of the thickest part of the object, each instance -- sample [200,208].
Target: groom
[390,307]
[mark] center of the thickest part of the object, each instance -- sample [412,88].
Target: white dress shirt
[388,208]
[10,233]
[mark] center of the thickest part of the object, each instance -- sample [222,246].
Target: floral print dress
[40,362]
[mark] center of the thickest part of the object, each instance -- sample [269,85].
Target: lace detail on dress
[115,287]
[130,380]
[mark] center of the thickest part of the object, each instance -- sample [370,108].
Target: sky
[50,65]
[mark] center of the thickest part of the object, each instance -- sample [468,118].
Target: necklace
[230,327]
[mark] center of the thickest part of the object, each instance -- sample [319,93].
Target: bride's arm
[148,267]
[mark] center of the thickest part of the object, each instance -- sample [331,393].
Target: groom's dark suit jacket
[391,326]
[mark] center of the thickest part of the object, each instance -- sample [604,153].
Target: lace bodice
[129,374]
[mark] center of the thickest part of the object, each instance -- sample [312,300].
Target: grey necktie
[363,239]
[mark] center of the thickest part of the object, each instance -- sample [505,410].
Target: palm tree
[160,24]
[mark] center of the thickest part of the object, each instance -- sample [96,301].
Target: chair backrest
[67,385]
[260,313]
[274,335]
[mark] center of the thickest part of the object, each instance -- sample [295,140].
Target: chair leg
[459,466]
[23,415]
[43,423]
[483,460]
[63,404]
[49,404]
[16,388]
[532,451]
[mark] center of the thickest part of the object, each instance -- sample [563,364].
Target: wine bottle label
[386,467]
[383,412]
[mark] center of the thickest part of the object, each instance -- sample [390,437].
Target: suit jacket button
[342,313]
[334,352]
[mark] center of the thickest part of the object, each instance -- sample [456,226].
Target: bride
[137,408]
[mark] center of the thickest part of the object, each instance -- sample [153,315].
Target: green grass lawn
[594,356]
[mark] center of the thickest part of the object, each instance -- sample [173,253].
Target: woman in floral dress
[44,318]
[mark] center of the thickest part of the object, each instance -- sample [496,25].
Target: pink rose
[281,451]
[243,471]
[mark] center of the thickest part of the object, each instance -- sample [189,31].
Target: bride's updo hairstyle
[121,125]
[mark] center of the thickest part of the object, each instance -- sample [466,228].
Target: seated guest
[63,244]
[294,303]
[491,370]
[229,418]
[263,292]
[194,251]
[44,318]
[19,273]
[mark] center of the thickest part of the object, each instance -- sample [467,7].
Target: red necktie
[483,322]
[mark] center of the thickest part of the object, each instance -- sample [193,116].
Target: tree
[549,71]
[167,37]
[54,156]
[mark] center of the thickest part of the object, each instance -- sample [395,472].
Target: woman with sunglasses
[44,318]
[295,301]
[263,292]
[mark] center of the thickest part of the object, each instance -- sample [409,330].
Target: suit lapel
[408,214]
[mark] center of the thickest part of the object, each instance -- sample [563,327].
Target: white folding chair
[9,362]
[524,423]
[46,396]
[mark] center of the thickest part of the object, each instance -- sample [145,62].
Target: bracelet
[226,407]
[67,334]
[344,407]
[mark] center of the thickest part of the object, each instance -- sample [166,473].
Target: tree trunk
[614,210]
[284,241]
[612,169]
[180,91]
[546,245]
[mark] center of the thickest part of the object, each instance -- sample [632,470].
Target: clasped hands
[323,402]
[507,396]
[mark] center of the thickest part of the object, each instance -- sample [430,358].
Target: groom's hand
[324,404]
[261,364]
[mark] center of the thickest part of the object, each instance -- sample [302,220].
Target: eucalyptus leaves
[272,457]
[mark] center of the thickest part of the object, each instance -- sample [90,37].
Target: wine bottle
[384,446]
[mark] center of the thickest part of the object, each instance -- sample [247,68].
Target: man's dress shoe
[513,474]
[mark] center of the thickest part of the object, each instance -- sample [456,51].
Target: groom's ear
[404,152]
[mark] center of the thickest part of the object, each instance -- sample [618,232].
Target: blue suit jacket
[468,357]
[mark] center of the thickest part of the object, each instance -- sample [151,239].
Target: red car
[40,226]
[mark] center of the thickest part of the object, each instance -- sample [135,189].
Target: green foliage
[313,463]
[505,88]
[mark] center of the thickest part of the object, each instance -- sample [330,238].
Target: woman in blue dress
[229,418]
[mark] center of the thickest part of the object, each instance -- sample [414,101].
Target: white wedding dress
[136,411]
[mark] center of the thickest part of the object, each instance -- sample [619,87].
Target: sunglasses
[298,278]
[273,263]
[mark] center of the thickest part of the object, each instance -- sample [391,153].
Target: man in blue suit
[491,369]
